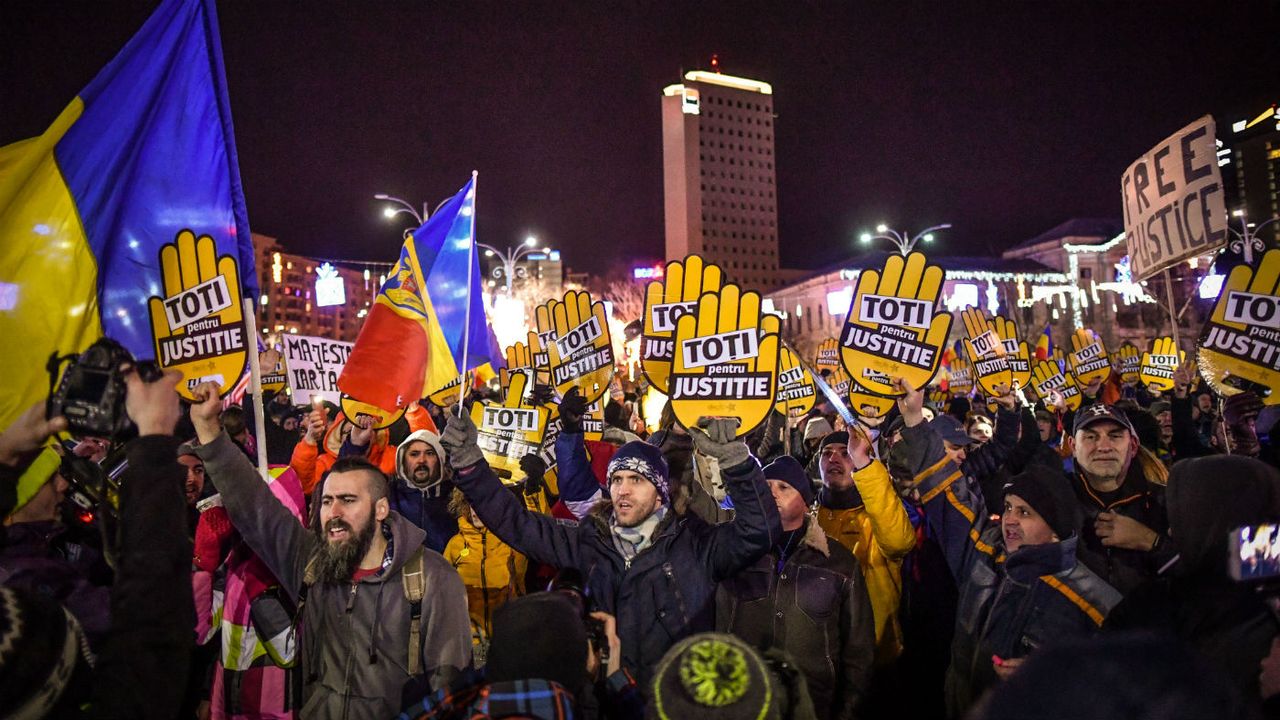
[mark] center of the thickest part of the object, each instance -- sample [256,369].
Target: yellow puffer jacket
[490,569]
[879,534]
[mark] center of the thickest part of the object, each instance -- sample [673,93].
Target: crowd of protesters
[983,557]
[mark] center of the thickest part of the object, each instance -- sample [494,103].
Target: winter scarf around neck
[631,540]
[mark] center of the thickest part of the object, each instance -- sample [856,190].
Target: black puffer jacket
[667,591]
[1228,622]
[815,608]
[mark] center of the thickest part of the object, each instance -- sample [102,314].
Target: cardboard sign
[353,409]
[508,432]
[796,391]
[990,361]
[892,327]
[314,366]
[960,379]
[1058,389]
[519,361]
[828,356]
[868,404]
[447,396]
[198,323]
[1239,348]
[546,334]
[581,353]
[1128,362]
[1159,364]
[725,360]
[1016,350]
[665,301]
[1088,359]
[1173,201]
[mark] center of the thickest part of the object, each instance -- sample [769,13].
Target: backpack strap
[413,578]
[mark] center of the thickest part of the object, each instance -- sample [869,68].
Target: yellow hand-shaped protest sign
[868,404]
[796,390]
[447,396]
[726,360]
[1015,349]
[938,397]
[828,355]
[581,355]
[665,301]
[1239,348]
[1128,362]
[199,322]
[1058,389]
[545,334]
[892,327]
[519,362]
[1088,358]
[353,409]
[509,430]
[1159,364]
[987,353]
[960,377]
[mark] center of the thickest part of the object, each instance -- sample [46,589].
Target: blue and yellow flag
[411,343]
[143,153]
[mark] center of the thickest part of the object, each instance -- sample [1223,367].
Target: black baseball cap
[1097,413]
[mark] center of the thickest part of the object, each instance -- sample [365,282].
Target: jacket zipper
[346,685]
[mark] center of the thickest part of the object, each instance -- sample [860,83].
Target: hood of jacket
[429,438]
[1210,497]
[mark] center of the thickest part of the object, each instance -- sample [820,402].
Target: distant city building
[294,288]
[1075,275]
[1250,162]
[719,178]
[815,307]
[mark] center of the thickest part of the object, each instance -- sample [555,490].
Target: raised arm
[264,523]
[538,536]
[755,526]
[890,524]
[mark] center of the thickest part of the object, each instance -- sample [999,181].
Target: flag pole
[255,386]
[466,327]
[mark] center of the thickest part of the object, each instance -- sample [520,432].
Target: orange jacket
[311,464]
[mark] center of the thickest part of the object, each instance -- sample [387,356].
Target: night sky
[1002,119]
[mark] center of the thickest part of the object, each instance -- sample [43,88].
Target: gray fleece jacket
[355,641]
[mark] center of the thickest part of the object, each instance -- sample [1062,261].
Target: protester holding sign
[654,572]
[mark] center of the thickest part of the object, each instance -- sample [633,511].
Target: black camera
[91,394]
[569,581]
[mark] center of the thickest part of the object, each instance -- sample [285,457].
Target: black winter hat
[840,437]
[1049,493]
[45,664]
[790,471]
[539,636]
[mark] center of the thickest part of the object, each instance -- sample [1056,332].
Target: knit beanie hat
[646,460]
[45,664]
[816,427]
[35,476]
[539,636]
[835,438]
[1048,493]
[713,676]
[790,471]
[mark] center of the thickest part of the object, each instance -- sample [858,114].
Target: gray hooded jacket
[355,644]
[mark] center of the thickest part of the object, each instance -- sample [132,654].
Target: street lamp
[903,240]
[391,211]
[510,258]
[1247,240]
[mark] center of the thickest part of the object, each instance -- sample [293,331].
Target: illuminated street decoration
[330,289]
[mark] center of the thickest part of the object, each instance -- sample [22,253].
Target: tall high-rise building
[1250,164]
[718,175]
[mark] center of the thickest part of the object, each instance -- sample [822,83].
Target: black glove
[533,468]
[572,408]
[542,394]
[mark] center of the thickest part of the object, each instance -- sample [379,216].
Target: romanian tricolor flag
[412,340]
[1044,344]
[145,151]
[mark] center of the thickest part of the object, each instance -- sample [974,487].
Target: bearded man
[364,639]
[423,486]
